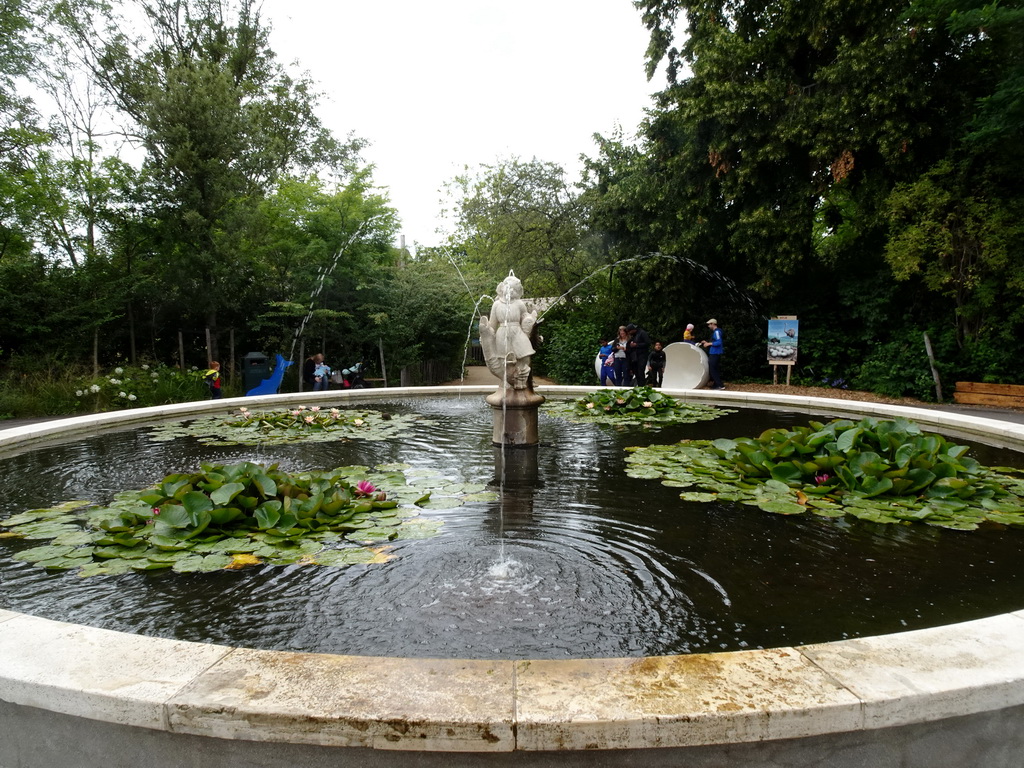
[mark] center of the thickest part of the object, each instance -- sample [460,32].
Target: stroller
[352,377]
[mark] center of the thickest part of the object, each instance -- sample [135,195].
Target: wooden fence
[978,393]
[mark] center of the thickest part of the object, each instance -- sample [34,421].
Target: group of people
[628,360]
[318,376]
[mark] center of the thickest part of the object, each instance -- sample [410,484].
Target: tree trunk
[131,334]
[211,330]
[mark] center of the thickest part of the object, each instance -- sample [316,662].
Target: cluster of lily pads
[288,425]
[880,470]
[231,516]
[645,405]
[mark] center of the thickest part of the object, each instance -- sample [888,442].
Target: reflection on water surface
[576,560]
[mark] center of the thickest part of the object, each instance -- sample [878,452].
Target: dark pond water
[577,560]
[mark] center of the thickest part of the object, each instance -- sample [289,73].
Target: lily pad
[441,502]
[21,519]
[777,507]
[698,496]
[373,534]
[470,498]
[46,552]
[105,568]
[418,529]
[169,525]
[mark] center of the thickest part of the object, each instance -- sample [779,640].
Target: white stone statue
[505,335]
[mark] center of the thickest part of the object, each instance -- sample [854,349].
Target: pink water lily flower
[822,478]
[309,419]
[365,488]
[647,403]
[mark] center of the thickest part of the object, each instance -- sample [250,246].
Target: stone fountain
[508,338]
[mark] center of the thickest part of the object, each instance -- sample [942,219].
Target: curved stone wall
[951,695]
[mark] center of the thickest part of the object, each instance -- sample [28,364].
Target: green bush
[898,368]
[568,352]
[137,386]
[60,390]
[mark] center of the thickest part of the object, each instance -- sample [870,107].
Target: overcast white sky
[436,85]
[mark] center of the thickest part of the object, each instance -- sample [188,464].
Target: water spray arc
[321,277]
[752,307]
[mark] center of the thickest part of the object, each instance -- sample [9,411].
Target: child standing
[656,366]
[688,336]
[212,379]
[607,363]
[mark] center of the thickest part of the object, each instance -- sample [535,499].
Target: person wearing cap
[715,348]
[688,336]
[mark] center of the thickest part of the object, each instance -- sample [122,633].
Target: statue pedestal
[515,417]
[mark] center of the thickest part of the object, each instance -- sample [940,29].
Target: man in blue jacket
[715,348]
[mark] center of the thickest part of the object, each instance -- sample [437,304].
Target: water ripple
[574,558]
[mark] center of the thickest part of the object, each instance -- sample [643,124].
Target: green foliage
[423,310]
[878,470]
[523,216]
[48,387]
[898,368]
[232,516]
[850,163]
[138,386]
[569,348]
[638,405]
[963,236]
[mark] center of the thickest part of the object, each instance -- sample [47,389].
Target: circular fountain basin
[946,696]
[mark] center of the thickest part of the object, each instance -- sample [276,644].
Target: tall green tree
[321,248]
[527,217]
[785,102]
[220,120]
[789,138]
[20,133]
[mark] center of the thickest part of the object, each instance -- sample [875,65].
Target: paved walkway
[1017,417]
[481,375]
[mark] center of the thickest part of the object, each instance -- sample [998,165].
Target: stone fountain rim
[457,705]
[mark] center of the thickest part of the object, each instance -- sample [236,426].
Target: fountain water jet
[321,278]
[721,279]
